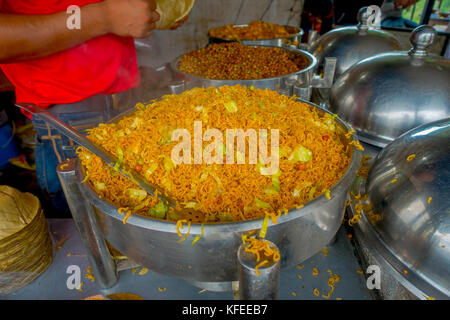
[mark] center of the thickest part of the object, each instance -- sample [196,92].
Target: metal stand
[98,255]
[254,286]
[303,86]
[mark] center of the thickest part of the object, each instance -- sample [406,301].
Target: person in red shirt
[83,76]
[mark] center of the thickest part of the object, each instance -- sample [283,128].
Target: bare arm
[24,37]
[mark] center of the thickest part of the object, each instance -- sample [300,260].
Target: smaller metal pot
[275,42]
[299,83]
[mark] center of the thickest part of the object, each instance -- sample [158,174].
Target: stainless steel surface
[313,36]
[276,42]
[390,287]
[154,243]
[413,198]
[284,84]
[84,218]
[254,286]
[52,284]
[386,95]
[350,45]
[325,80]
[81,140]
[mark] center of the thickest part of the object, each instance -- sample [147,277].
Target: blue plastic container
[8,148]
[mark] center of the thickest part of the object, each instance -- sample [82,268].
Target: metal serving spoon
[107,157]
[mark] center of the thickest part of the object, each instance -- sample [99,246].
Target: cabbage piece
[261,105]
[158,211]
[276,180]
[120,160]
[231,106]
[191,204]
[284,151]
[173,215]
[272,191]
[300,153]
[301,187]
[263,231]
[311,193]
[153,166]
[100,186]
[224,217]
[136,194]
[262,204]
[168,163]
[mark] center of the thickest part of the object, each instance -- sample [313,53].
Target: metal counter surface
[52,284]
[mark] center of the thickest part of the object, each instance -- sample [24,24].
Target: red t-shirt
[106,64]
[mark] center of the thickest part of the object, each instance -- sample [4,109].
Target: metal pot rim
[174,64]
[355,28]
[169,226]
[298,34]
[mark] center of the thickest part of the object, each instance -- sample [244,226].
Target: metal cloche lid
[406,221]
[386,95]
[352,44]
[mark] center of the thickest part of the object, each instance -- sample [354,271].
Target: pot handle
[325,81]
[313,36]
[302,88]
[177,86]
[421,38]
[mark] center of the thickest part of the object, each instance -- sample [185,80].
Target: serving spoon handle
[107,157]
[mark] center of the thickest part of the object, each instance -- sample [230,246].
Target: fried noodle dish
[314,153]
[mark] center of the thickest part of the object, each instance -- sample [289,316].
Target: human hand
[130,18]
[179,23]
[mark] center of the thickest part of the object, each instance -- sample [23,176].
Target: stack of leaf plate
[172,11]
[26,248]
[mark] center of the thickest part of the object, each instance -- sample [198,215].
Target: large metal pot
[388,94]
[276,42]
[411,242]
[154,243]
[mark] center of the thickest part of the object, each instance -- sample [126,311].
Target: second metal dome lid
[404,216]
[388,94]
[352,44]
